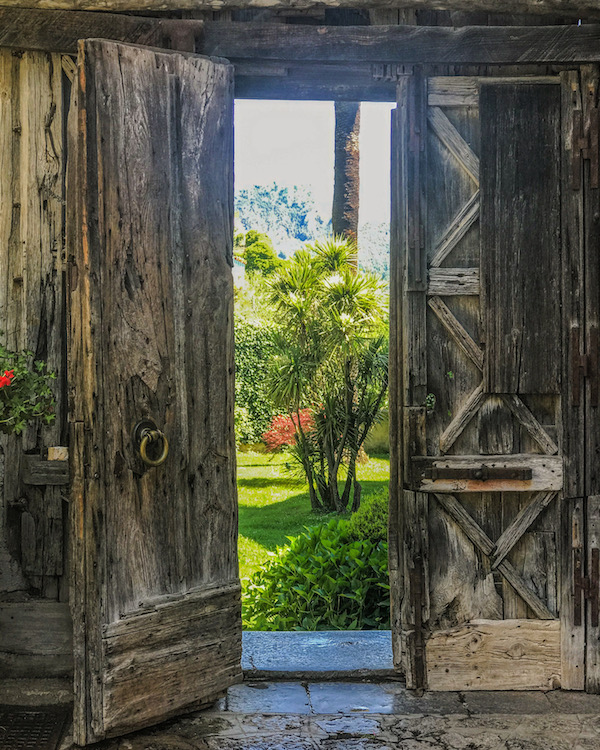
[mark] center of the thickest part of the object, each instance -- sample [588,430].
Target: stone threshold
[321,655]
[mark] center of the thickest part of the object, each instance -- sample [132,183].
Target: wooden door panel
[520,237]
[483,463]
[156,591]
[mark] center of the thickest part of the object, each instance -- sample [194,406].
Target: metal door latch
[481,473]
[586,587]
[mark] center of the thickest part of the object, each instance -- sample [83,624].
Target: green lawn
[273,505]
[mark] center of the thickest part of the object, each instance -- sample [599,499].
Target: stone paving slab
[376,716]
[373,732]
[322,655]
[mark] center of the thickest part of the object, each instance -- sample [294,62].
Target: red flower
[6,378]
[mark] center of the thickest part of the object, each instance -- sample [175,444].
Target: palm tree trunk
[344,215]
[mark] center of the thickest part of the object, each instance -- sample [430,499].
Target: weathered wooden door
[155,589]
[487,292]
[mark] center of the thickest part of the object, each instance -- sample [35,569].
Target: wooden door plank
[520,237]
[519,526]
[495,655]
[415,597]
[456,230]
[531,424]
[463,91]
[462,419]
[396,389]
[454,142]
[453,282]
[414,301]
[572,217]
[573,640]
[457,331]
[592,663]
[590,91]
[481,540]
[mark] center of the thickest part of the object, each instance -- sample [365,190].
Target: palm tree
[332,357]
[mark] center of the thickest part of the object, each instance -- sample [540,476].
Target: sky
[291,143]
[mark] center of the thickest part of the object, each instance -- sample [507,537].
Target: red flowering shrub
[6,378]
[283,429]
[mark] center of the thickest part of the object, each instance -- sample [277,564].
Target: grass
[273,505]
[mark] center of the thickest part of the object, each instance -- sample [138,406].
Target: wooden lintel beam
[469,45]
[579,8]
[59,30]
[242,43]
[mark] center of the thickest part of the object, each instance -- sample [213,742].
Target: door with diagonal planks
[483,304]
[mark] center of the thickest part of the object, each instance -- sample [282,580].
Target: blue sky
[291,143]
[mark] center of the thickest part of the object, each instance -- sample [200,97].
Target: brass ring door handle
[146,434]
[151,436]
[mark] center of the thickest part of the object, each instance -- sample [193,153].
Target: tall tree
[344,215]
[346,185]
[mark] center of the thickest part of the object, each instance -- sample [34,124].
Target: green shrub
[25,391]
[253,351]
[370,521]
[324,580]
[259,254]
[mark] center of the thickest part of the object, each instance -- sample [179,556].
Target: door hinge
[586,587]
[585,146]
[584,366]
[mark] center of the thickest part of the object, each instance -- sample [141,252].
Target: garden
[311,384]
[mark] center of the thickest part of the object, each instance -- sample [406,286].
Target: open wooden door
[155,587]
[487,287]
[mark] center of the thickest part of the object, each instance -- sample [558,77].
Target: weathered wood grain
[511,535]
[573,293]
[38,471]
[463,91]
[455,231]
[37,639]
[171,657]
[547,473]
[523,8]
[520,237]
[481,540]
[496,428]
[495,655]
[457,332]
[465,414]
[396,387]
[415,596]
[59,30]
[478,45]
[32,314]
[573,638]
[453,281]
[454,142]
[531,424]
[151,336]
[592,660]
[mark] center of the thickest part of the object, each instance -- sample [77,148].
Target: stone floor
[311,697]
[376,716]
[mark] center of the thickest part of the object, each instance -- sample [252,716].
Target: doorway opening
[304,564]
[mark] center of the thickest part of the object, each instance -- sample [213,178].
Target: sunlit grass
[273,505]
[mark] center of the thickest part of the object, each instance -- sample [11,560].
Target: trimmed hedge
[324,580]
[254,409]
